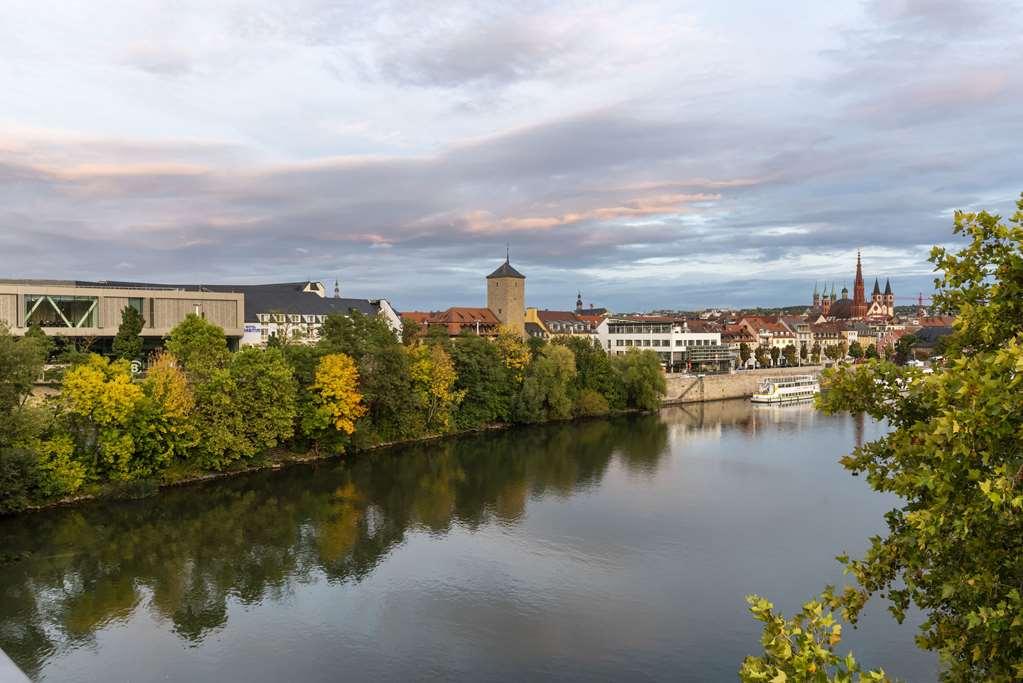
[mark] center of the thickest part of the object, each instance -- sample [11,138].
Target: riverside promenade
[740,384]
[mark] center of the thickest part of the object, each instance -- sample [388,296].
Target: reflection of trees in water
[188,551]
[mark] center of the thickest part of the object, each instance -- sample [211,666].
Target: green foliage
[790,354]
[803,352]
[855,350]
[535,345]
[871,351]
[355,335]
[904,348]
[594,370]
[547,389]
[20,479]
[642,378]
[762,356]
[128,344]
[802,648]
[589,403]
[983,283]
[815,352]
[953,460]
[21,363]
[485,381]
[744,353]
[264,395]
[775,353]
[199,346]
[411,331]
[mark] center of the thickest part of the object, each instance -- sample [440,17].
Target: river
[610,550]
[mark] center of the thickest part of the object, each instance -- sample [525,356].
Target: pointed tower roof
[887,286]
[877,287]
[815,292]
[506,270]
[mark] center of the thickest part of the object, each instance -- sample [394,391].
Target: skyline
[652,156]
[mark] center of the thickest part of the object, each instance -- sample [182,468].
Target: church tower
[859,305]
[506,297]
[875,296]
[889,298]
[816,296]
[579,302]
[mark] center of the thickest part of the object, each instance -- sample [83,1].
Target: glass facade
[60,311]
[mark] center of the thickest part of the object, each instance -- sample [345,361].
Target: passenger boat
[785,389]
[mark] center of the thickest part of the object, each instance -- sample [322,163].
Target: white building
[680,343]
[297,311]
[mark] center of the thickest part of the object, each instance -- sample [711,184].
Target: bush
[590,403]
[20,479]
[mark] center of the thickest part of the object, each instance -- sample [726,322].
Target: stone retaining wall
[741,384]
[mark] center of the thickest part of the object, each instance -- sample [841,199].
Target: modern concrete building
[79,309]
[681,344]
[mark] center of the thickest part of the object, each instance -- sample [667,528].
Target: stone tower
[816,296]
[889,297]
[859,305]
[506,297]
[875,296]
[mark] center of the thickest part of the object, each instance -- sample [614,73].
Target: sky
[651,155]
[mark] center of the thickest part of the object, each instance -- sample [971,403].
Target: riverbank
[741,384]
[273,459]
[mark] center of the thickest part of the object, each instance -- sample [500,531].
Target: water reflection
[184,554]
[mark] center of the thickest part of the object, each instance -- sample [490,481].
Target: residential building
[457,320]
[555,323]
[297,310]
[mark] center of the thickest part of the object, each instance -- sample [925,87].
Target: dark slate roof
[928,336]
[843,308]
[534,330]
[877,287]
[506,270]
[887,286]
[288,297]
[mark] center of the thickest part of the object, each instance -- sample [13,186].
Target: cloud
[651,154]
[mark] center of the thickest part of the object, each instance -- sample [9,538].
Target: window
[136,303]
[60,311]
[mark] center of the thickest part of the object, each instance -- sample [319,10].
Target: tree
[21,364]
[355,334]
[411,331]
[484,379]
[264,396]
[952,461]
[594,370]
[514,354]
[870,352]
[127,344]
[642,378]
[775,353]
[433,385]
[763,356]
[535,345]
[790,354]
[200,347]
[833,352]
[803,352]
[336,391]
[744,353]
[590,402]
[546,390]
[904,349]
[801,648]
[815,352]
[100,403]
[855,350]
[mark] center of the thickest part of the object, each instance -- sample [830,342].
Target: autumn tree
[336,394]
[127,344]
[514,355]
[952,461]
[433,387]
